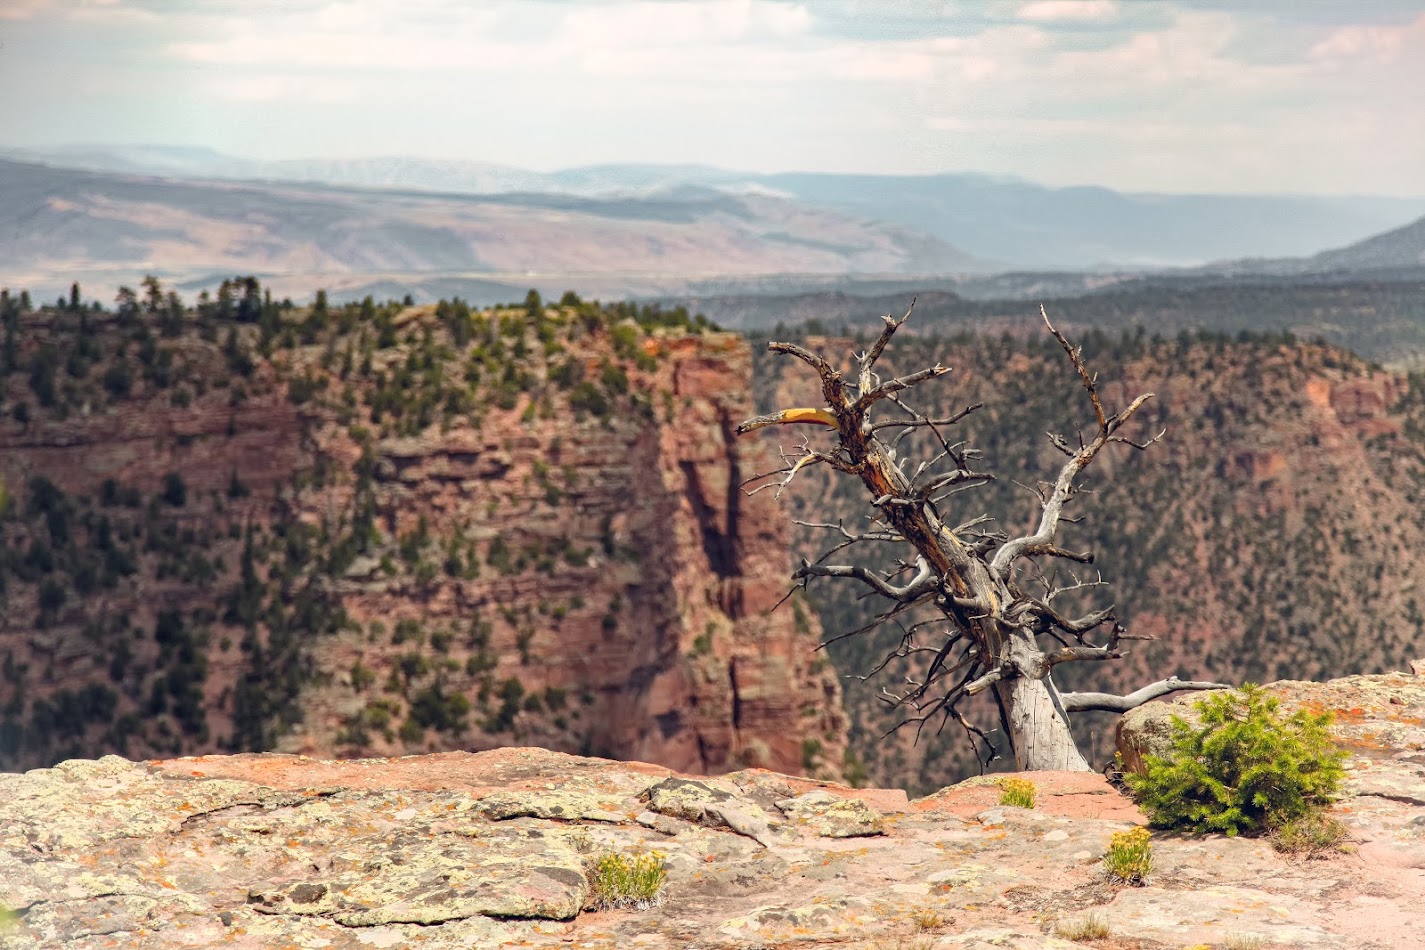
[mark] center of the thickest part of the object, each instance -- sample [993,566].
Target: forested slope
[1274,533]
[380,529]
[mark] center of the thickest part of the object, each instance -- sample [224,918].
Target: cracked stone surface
[832,816]
[492,850]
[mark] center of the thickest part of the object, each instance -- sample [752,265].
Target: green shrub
[175,491]
[1130,856]
[118,379]
[586,397]
[412,732]
[1246,768]
[433,708]
[1019,792]
[624,337]
[361,676]
[618,880]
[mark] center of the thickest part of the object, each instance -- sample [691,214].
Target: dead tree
[996,612]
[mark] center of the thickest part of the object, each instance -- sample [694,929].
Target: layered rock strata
[535,534]
[633,605]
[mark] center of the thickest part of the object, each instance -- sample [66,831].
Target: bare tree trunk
[1034,713]
[981,582]
[1038,727]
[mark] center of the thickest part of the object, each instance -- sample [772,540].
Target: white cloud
[1355,42]
[77,11]
[284,88]
[1054,11]
[113,14]
[1170,95]
[22,9]
[686,23]
[343,36]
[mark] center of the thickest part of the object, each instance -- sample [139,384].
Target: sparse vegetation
[1089,927]
[927,919]
[1242,942]
[622,880]
[1313,835]
[1129,859]
[1019,792]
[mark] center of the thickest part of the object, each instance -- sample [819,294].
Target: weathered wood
[973,585]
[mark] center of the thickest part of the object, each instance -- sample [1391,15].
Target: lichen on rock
[833,817]
[461,850]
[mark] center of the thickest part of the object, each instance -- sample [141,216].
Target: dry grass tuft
[926,919]
[1092,927]
[1242,942]
[1314,835]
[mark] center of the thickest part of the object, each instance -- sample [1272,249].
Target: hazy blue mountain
[393,172]
[1401,248]
[1032,226]
[59,224]
[635,178]
[1018,224]
[185,161]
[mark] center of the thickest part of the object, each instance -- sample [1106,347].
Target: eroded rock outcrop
[434,530]
[493,849]
[630,611]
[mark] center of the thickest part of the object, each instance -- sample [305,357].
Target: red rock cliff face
[83,585]
[749,674]
[589,579]
[624,601]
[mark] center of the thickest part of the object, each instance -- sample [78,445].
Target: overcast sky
[1218,95]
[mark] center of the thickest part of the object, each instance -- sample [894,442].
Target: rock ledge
[490,850]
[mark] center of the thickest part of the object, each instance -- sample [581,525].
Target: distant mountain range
[1401,248]
[61,224]
[998,223]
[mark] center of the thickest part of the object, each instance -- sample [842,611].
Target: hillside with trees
[378,529]
[1273,533]
[1380,319]
[239,523]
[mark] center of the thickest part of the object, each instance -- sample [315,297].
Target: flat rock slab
[831,816]
[494,849]
[1217,915]
[505,769]
[1067,794]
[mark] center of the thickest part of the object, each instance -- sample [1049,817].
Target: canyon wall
[632,603]
[1273,533]
[349,545]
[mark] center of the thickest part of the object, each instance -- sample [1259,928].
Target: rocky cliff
[498,849]
[391,530]
[1273,533]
